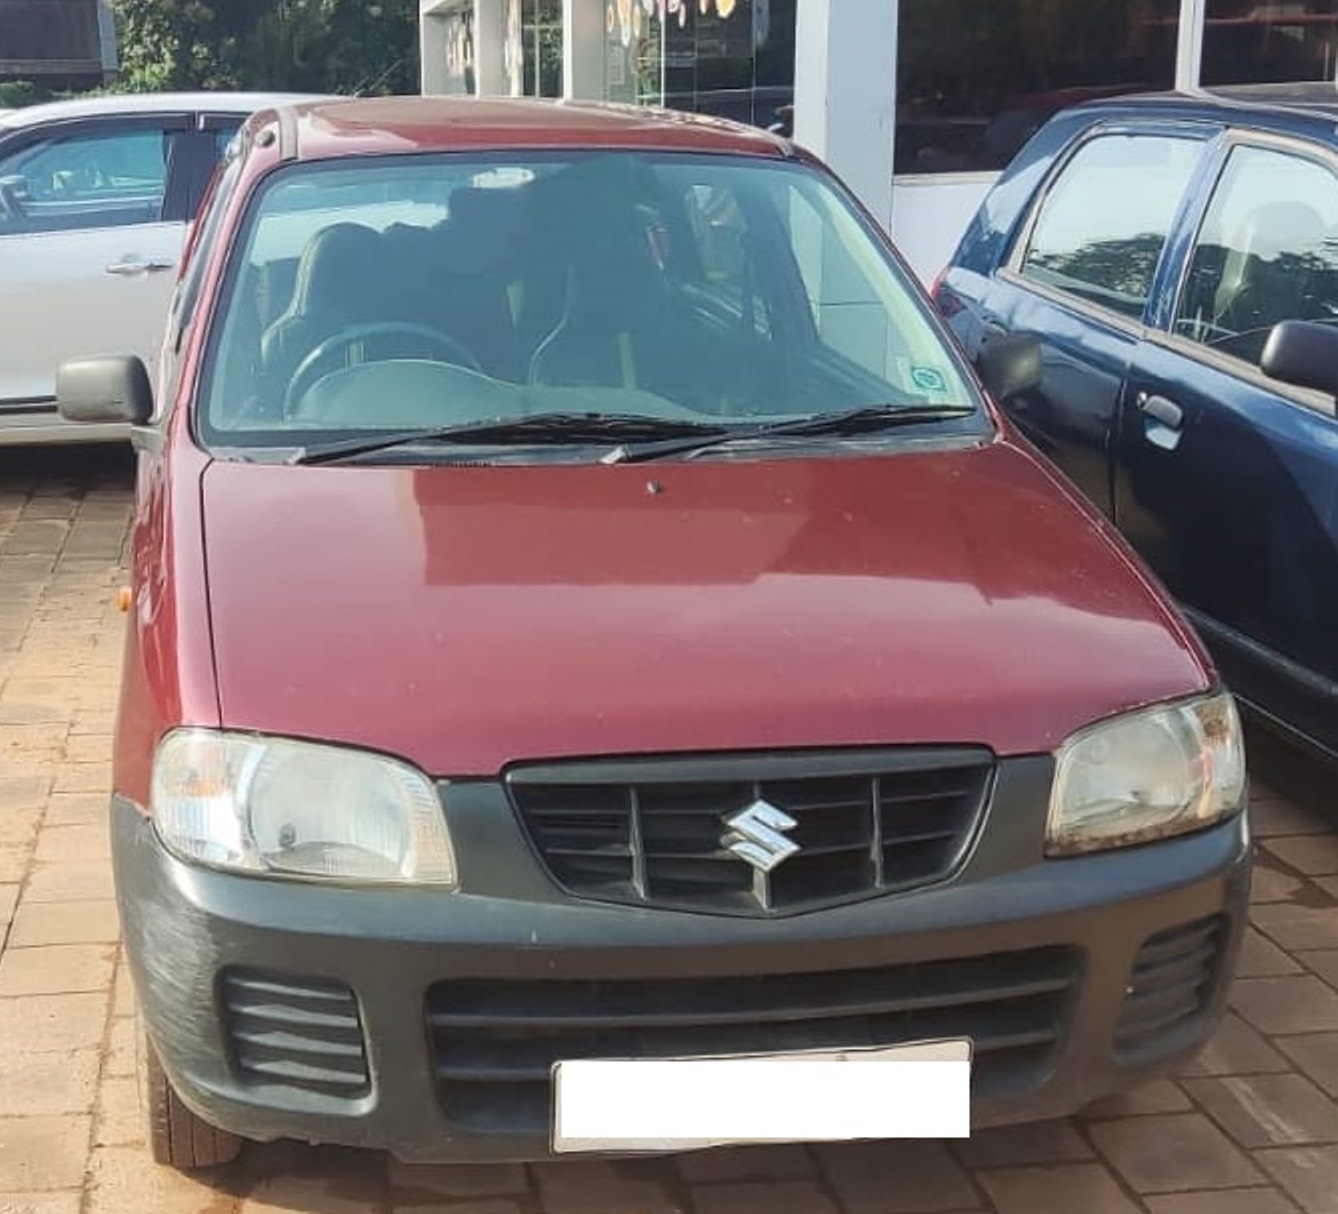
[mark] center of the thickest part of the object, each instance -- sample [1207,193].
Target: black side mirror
[114,388]
[1302,353]
[1009,364]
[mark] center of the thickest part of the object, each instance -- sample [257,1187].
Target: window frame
[245,213]
[1203,132]
[1162,332]
[24,138]
[1015,263]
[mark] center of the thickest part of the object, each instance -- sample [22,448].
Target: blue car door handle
[1171,415]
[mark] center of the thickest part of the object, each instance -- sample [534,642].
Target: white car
[95,199]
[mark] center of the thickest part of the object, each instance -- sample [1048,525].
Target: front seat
[335,288]
[1275,263]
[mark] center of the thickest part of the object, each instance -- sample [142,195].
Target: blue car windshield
[386,293]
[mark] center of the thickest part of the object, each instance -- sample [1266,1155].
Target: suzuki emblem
[757,834]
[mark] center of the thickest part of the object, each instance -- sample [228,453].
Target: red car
[592,633]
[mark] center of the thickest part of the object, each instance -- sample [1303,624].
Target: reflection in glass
[976,78]
[1248,42]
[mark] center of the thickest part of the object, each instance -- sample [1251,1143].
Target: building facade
[57,45]
[918,103]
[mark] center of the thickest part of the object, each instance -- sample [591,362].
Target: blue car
[1176,259]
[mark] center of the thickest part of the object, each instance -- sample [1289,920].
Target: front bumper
[423,1022]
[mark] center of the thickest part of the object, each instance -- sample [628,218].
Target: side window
[88,180]
[1267,252]
[1103,223]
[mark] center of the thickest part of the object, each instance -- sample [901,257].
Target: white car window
[89,180]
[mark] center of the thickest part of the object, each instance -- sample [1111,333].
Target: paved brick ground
[1251,1129]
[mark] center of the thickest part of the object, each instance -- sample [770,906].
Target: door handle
[1171,415]
[131,266]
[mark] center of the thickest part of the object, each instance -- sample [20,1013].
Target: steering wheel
[328,354]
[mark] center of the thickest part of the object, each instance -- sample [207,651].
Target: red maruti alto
[590,627]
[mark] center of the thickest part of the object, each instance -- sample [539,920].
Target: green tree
[335,46]
[173,44]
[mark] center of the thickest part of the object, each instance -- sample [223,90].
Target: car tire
[177,1137]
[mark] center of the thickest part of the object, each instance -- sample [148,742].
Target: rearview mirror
[1304,354]
[108,389]
[1009,364]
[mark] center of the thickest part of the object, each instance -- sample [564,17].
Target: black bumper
[424,1023]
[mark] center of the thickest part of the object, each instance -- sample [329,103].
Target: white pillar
[431,51]
[1189,51]
[490,49]
[583,50]
[845,92]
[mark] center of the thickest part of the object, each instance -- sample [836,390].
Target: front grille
[1172,984]
[667,834]
[494,1042]
[294,1031]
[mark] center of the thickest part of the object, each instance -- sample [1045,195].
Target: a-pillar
[845,92]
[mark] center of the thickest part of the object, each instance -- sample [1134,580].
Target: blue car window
[1104,222]
[1267,252]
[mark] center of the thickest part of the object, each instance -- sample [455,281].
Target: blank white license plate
[921,1090]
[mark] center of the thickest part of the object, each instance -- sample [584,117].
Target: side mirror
[1302,353]
[109,389]
[1009,364]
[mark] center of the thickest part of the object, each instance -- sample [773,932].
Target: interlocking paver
[1178,1151]
[1300,1004]
[1314,857]
[1067,1189]
[1233,1201]
[87,922]
[1316,1054]
[1251,1127]
[1308,1174]
[46,1084]
[1236,1049]
[56,969]
[898,1178]
[1268,1110]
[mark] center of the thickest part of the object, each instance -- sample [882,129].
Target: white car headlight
[298,809]
[1147,775]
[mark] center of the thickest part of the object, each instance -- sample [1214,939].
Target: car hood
[468,617]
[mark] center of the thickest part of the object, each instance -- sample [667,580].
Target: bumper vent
[1172,984]
[296,1032]
[494,1042]
[839,828]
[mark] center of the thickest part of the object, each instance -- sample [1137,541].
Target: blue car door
[1227,481]
[1080,275]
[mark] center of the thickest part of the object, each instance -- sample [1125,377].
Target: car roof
[1317,100]
[322,129]
[144,103]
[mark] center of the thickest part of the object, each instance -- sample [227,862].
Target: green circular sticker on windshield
[927,379]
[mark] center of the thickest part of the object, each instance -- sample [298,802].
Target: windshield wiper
[534,428]
[864,420]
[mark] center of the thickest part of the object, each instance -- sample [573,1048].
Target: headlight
[1147,775]
[269,805]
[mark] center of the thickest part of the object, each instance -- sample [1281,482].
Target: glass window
[728,58]
[1246,42]
[541,43]
[1267,252]
[1104,222]
[86,181]
[976,78]
[444,290]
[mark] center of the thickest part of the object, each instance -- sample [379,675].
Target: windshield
[382,295]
